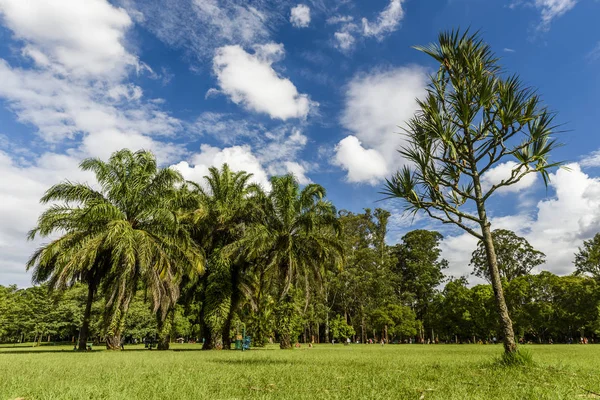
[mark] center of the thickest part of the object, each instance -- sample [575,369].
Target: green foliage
[125,232]
[399,321]
[587,259]
[340,330]
[515,256]
[419,268]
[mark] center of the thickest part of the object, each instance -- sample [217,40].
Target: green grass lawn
[322,372]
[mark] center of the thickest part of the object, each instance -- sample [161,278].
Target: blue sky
[317,88]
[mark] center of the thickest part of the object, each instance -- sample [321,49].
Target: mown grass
[323,372]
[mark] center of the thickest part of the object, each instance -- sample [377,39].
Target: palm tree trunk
[117,325]
[233,307]
[164,323]
[85,326]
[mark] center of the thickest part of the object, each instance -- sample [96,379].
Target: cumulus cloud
[376,107]
[387,21]
[250,80]
[76,95]
[298,170]
[300,16]
[502,172]
[557,227]
[21,187]
[363,165]
[74,37]
[239,158]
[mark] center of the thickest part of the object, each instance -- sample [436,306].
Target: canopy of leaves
[515,256]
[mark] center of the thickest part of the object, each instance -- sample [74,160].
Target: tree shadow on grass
[66,351]
[256,362]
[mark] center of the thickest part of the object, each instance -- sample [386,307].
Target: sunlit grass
[325,371]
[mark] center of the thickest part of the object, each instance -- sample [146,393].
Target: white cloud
[251,81]
[83,38]
[552,9]
[60,108]
[387,21]
[503,172]
[377,105]
[591,160]
[594,54]
[239,158]
[339,19]
[76,95]
[363,165]
[200,26]
[300,16]
[298,170]
[21,187]
[344,40]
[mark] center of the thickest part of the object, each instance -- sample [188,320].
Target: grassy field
[323,372]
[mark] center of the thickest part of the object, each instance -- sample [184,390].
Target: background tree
[472,119]
[340,330]
[587,259]
[295,237]
[420,270]
[515,256]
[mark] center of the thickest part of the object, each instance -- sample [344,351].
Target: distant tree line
[148,256]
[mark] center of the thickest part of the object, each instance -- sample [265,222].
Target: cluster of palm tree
[141,227]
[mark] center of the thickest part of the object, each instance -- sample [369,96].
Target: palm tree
[226,204]
[296,236]
[115,237]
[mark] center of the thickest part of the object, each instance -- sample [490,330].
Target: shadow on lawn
[254,361]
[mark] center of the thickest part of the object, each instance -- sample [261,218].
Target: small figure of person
[382,342]
[348,340]
[122,343]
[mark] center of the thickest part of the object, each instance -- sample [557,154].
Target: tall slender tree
[472,119]
[116,236]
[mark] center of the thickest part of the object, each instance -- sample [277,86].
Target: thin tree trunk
[85,325]
[510,345]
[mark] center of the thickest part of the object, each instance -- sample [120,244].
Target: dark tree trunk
[85,325]
[285,341]
[207,337]
[113,342]
[233,307]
